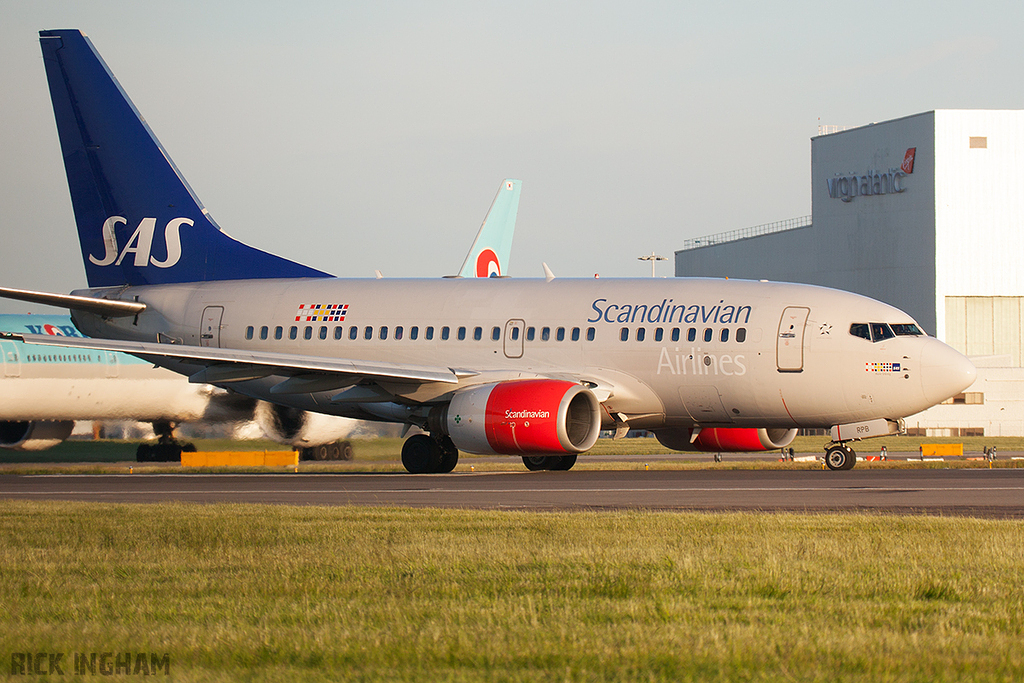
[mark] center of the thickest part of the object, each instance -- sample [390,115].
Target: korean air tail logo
[487,264]
[140,244]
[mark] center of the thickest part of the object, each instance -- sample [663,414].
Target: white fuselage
[656,352]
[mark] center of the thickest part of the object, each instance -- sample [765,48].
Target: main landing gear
[535,463]
[424,454]
[337,450]
[839,456]
[166,448]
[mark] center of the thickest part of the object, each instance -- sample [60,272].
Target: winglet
[548,275]
[489,255]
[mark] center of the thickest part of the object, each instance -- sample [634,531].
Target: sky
[355,137]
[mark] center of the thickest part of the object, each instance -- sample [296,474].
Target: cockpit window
[860,330]
[906,330]
[881,332]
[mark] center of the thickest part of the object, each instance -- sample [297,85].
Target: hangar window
[906,330]
[860,330]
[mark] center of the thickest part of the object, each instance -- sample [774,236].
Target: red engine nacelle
[726,439]
[524,417]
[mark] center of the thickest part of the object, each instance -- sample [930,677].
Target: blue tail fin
[489,255]
[138,220]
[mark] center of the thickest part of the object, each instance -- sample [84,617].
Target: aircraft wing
[234,364]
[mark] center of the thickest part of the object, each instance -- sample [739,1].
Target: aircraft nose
[945,372]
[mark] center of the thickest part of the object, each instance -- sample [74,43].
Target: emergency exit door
[790,347]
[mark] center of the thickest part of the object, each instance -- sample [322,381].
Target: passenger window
[353,332]
[860,330]
[307,333]
[398,332]
[278,332]
[640,333]
[725,334]
[339,332]
[368,333]
[323,332]
[462,333]
[590,334]
[881,332]
[675,334]
[560,334]
[575,334]
[429,333]
[248,332]
[514,333]
[691,334]
[741,335]
[529,334]
[383,332]
[445,333]
[659,334]
[709,334]
[293,333]
[264,332]
[545,333]
[624,334]
[496,333]
[478,333]
[414,332]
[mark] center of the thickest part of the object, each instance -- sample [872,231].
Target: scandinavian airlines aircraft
[532,368]
[45,391]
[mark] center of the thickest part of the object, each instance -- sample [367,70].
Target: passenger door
[790,347]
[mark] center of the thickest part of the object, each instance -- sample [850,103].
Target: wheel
[333,451]
[840,457]
[320,452]
[421,454]
[346,450]
[449,455]
[188,448]
[563,463]
[535,463]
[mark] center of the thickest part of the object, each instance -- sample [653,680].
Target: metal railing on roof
[744,233]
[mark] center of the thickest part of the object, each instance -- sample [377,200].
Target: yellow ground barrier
[942,449]
[239,458]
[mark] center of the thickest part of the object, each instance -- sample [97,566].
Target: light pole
[653,258]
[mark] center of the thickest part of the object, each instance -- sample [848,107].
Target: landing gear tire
[320,452]
[345,451]
[535,463]
[449,455]
[840,457]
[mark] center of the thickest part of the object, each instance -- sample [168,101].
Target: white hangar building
[926,213]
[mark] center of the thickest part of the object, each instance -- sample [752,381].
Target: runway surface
[973,492]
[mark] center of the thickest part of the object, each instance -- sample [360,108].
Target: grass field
[283,593]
